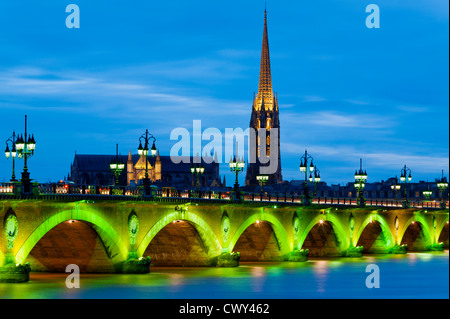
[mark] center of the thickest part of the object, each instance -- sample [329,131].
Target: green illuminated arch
[103,228]
[207,235]
[281,235]
[342,236]
[390,241]
[425,229]
[438,230]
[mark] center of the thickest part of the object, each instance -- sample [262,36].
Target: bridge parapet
[69,192]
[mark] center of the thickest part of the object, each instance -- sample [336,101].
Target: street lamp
[406,179]
[442,185]
[427,193]
[237,166]
[199,170]
[304,168]
[316,178]
[360,183]
[12,153]
[262,179]
[117,166]
[396,187]
[25,147]
[143,151]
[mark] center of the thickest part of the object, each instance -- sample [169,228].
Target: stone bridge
[117,236]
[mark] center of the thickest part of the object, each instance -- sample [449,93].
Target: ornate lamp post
[262,179]
[405,179]
[442,185]
[360,183]
[427,193]
[303,168]
[12,153]
[237,166]
[25,149]
[316,178]
[117,166]
[396,187]
[143,151]
[199,170]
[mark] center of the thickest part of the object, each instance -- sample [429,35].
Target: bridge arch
[416,221]
[386,231]
[104,230]
[439,230]
[341,235]
[207,235]
[285,245]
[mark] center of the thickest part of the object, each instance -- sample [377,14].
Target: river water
[414,275]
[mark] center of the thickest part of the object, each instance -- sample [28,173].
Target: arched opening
[322,241]
[178,244]
[443,237]
[71,242]
[258,243]
[373,239]
[415,238]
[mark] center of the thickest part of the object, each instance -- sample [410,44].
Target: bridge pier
[134,266]
[15,273]
[227,260]
[298,255]
[354,252]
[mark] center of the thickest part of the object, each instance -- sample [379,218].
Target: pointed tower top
[129,156]
[265,77]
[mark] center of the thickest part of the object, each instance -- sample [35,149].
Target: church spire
[265,78]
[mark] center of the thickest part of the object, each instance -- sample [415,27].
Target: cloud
[335,119]
[393,159]
[104,96]
[413,109]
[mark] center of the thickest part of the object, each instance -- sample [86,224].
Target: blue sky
[345,91]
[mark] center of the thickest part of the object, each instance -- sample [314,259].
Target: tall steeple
[265,116]
[265,92]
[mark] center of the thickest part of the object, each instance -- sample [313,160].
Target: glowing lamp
[20,144]
[153,149]
[31,145]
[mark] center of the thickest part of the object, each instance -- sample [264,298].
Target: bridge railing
[71,189]
[62,190]
[7,188]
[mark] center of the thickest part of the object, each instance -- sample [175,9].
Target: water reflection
[320,270]
[413,275]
